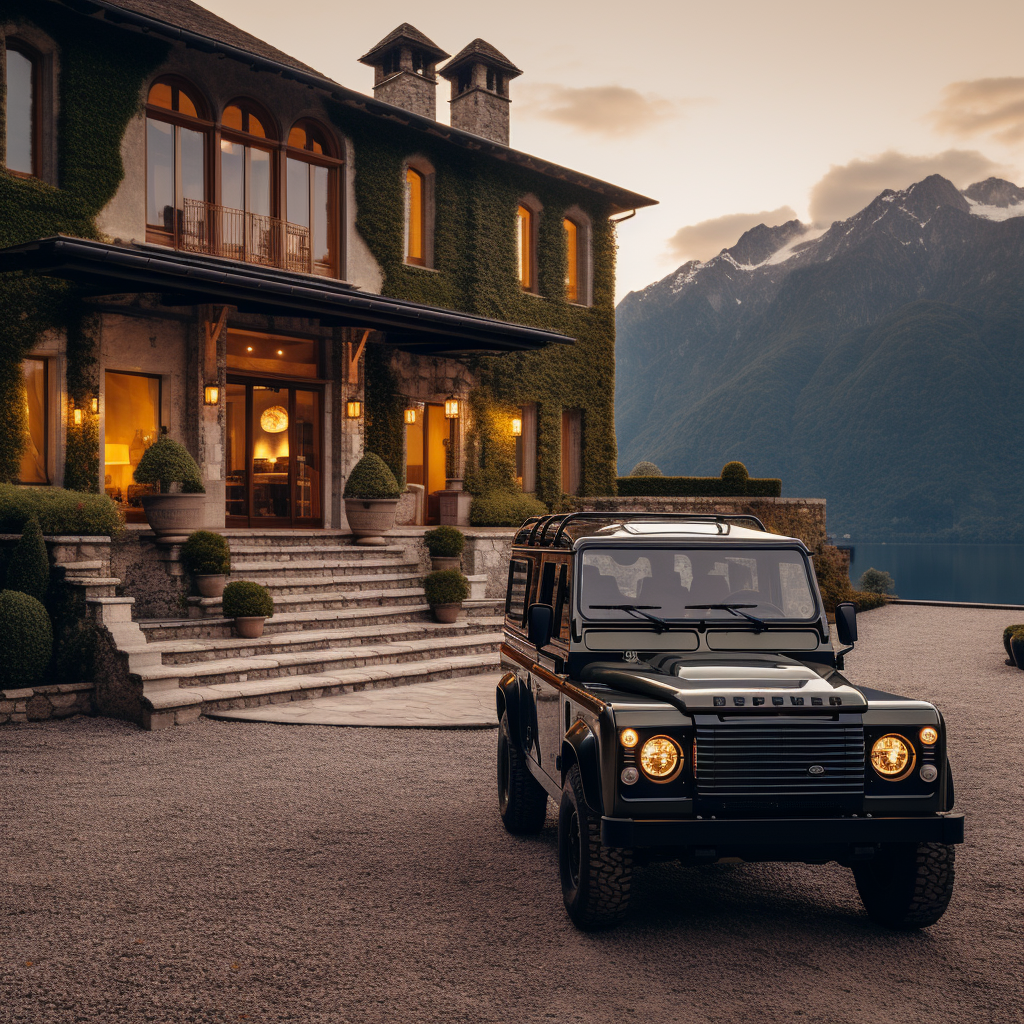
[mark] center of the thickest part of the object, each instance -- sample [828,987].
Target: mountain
[878,364]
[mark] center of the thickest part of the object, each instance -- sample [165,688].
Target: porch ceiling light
[451,408]
[211,394]
[353,409]
[517,427]
[275,419]
[410,415]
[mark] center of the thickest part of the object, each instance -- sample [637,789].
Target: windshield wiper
[637,609]
[736,609]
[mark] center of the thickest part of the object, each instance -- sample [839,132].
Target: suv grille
[777,764]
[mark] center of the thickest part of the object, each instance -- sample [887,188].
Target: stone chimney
[404,66]
[480,75]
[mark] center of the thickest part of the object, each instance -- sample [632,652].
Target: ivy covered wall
[99,86]
[475,201]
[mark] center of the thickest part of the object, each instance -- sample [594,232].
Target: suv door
[551,660]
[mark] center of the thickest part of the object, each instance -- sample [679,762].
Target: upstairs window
[176,144]
[312,201]
[572,273]
[22,110]
[414,217]
[245,166]
[526,246]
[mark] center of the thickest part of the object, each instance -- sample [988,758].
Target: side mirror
[846,623]
[540,624]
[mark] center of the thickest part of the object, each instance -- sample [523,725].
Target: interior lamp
[517,426]
[451,408]
[211,394]
[116,455]
[353,409]
[410,416]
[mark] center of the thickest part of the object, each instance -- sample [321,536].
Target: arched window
[176,175]
[576,225]
[526,245]
[312,221]
[22,109]
[415,200]
[572,273]
[246,185]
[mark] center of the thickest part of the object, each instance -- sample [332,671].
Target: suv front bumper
[945,828]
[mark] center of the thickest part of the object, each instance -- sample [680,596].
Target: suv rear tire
[908,887]
[522,800]
[596,879]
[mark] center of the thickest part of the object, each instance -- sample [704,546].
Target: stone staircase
[345,618]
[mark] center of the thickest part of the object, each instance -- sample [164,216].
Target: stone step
[315,618]
[192,652]
[182,706]
[287,538]
[327,567]
[244,668]
[323,586]
[99,586]
[307,552]
[81,567]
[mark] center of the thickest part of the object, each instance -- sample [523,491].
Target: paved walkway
[466,702]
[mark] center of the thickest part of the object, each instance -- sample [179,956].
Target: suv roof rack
[534,532]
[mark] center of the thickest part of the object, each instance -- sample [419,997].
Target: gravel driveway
[240,871]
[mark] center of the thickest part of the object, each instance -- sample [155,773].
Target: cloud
[610,110]
[845,189]
[709,237]
[986,106]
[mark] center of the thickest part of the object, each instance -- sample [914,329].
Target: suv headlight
[892,757]
[661,758]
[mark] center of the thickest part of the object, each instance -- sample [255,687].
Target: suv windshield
[766,583]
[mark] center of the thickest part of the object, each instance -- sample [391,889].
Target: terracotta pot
[174,514]
[249,626]
[211,586]
[442,562]
[369,518]
[446,612]
[1017,650]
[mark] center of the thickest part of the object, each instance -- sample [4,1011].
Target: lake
[983,573]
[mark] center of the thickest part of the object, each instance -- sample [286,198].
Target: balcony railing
[250,237]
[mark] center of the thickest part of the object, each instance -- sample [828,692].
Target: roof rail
[519,537]
[720,520]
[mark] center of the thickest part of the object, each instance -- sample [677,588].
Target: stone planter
[1017,650]
[444,562]
[249,627]
[370,518]
[446,612]
[174,515]
[211,586]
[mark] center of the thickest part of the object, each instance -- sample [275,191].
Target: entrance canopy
[184,279]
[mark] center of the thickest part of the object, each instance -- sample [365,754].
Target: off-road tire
[908,887]
[522,800]
[596,879]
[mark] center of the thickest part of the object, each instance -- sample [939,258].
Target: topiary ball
[244,599]
[166,462]
[446,586]
[26,640]
[645,468]
[206,554]
[371,480]
[28,570]
[444,542]
[735,476]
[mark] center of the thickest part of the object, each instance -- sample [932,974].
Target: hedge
[504,508]
[28,570]
[696,487]
[59,511]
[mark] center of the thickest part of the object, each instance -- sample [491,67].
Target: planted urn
[445,590]
[207,559]
[249,604]
[371,499]
[445,545]
[171,513]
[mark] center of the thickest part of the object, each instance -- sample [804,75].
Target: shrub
[165,462]
[28,570]
[735,475]
[244,598]
[446,586]
[444,542]
[371,479]
[206,554]
[1007,633]
[646,468]
[875,581]
[697,487]
[59,511]
[832,571]
[505,508]
[26,640]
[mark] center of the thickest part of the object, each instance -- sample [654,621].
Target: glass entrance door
[274,455]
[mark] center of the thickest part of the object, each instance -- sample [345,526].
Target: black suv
[670,680]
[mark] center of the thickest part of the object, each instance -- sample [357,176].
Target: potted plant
[1017,646]
[167,463]
[371,499]
[1007,633]
[445,544]
[248,604]
[446,589]
[207,559]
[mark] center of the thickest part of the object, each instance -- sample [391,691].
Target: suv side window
[520,579]
[562,604]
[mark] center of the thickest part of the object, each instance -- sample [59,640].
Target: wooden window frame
[334,163]
[584,266]
[36,59]
[412,215]
[534,210]
[425,170]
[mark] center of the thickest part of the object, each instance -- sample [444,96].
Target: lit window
[175,156]
[572,274]
[415,217]
[245,187]
[524,239]
[33,458]
[22,111]
[131,405]
[311,204]
[240,119]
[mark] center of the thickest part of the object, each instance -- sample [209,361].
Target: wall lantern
[353,409]
[211,394]
[451,408]
[517,427]
[410,416]
[95,406]
[77,416]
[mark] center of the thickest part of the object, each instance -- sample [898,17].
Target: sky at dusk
[728,114]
